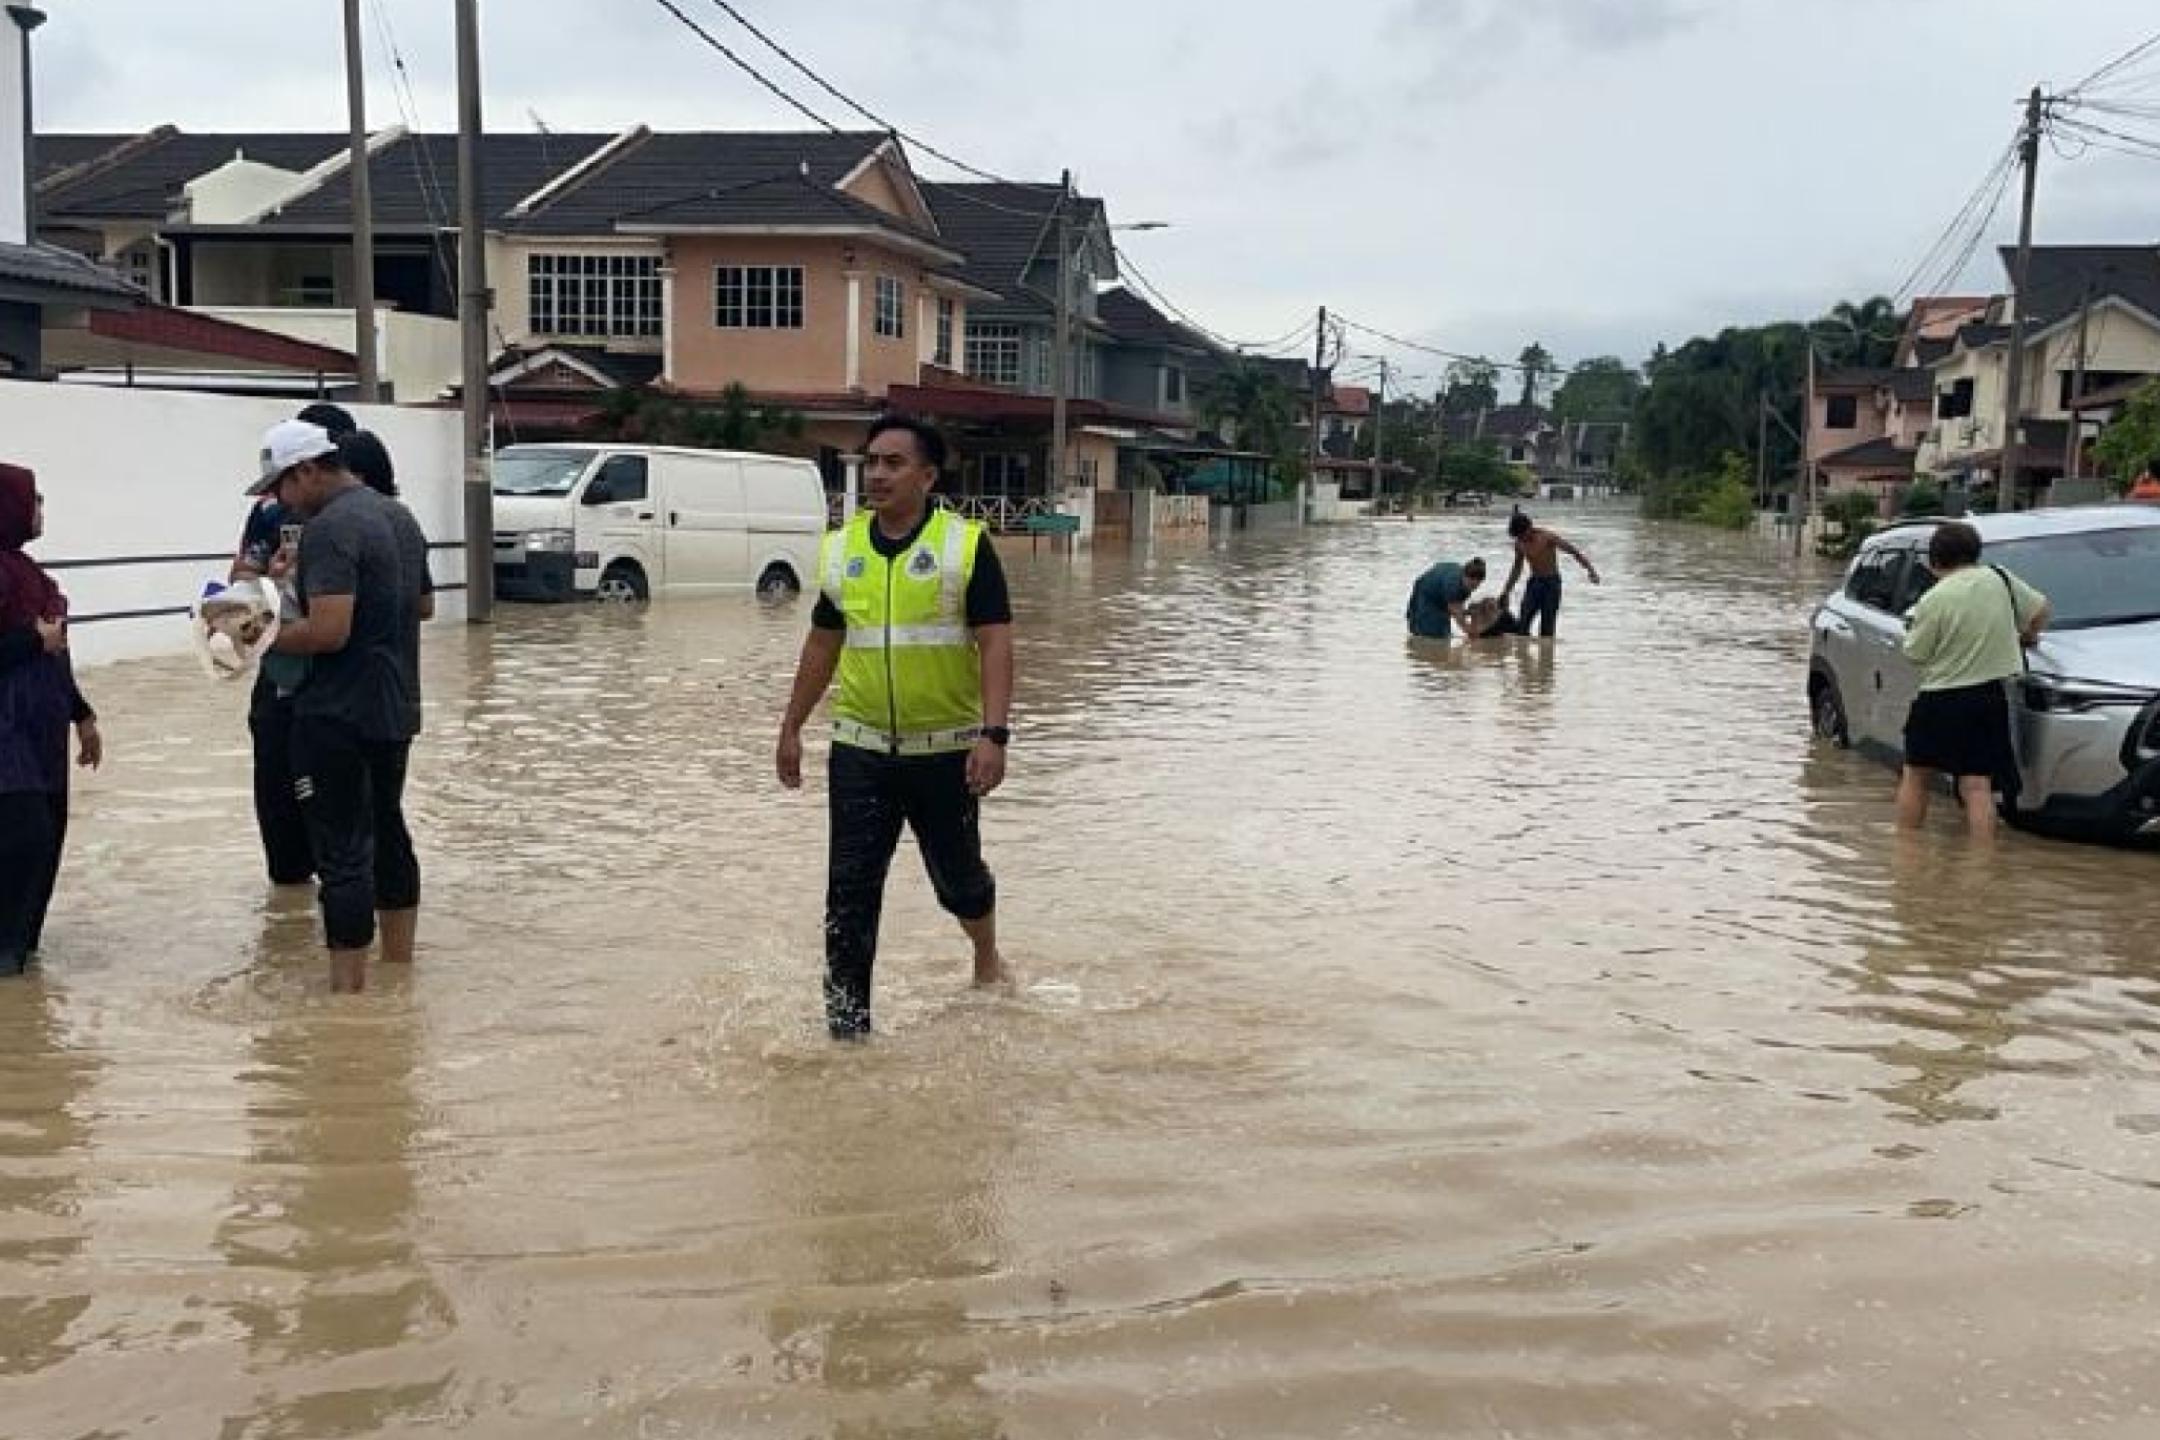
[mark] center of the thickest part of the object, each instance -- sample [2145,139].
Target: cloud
[1471,45]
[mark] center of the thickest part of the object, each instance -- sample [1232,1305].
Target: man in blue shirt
[1441,594]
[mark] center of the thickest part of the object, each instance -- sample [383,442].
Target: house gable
[885,179]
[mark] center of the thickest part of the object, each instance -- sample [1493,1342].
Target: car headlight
[550,542]
[2061,694]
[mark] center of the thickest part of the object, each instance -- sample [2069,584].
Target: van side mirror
[600,492]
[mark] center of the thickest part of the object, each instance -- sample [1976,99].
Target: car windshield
[539,472]
[2104,577]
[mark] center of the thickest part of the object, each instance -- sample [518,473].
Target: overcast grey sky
[1595,174]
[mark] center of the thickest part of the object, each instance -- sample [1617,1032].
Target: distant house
[2106,295]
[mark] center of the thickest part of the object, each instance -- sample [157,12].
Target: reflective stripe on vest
[910,678]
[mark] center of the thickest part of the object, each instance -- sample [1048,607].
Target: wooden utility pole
[1061,358]
[1319,385]
[2013,390]
[365,351]
[473,305]
[2073,457]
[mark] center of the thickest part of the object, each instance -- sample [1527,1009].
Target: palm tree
[1249,406]
[1537,363]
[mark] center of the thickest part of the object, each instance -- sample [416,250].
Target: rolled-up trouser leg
[397,868]
[947,821]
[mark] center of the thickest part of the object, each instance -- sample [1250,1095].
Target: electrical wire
[745,66]
[853,104]
[1996,178]
[2115,67]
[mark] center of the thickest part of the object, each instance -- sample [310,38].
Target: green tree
[1253,409]
[1475,465]
[1604,390]
[1537,367]
[2132,441]
[653,417]
[1472,385]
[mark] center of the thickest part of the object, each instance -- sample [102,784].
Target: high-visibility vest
[910,676]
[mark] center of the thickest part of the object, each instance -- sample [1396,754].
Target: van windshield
[539,472]
[2104,577]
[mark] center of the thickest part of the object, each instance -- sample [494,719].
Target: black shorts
[1962,732]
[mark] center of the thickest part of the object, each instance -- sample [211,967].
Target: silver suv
[2087,715]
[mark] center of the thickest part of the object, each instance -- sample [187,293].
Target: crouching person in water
[914,616]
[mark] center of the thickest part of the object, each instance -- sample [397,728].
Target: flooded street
[1544,1042]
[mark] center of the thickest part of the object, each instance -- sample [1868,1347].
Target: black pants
[33,830]
[1541,604]
[353,794]
[873,795]
[277,810]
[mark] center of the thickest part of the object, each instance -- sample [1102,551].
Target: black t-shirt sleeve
[825,615]
[989,602]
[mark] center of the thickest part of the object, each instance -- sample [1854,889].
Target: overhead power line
[2114,68]
[745,66]
[850,101]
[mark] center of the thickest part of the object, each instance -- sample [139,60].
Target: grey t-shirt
[355,546]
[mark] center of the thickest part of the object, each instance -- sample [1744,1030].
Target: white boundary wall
[143,499]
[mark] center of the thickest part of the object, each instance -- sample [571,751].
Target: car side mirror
[600,492]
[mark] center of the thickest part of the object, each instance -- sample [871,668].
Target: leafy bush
[1726,499]
[1922,497]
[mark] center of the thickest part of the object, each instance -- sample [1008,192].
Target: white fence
[143,499]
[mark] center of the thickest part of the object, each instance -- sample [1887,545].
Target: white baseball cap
[286,444]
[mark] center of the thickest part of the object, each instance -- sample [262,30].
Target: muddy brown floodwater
[1548,1042]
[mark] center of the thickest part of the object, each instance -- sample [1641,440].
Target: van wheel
[778,583]
[623,584]
[1828,709]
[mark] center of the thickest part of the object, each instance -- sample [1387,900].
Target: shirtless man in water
[1541,551]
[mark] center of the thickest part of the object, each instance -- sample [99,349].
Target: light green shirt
[1965,630]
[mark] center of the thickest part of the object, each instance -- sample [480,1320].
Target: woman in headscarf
[38,703]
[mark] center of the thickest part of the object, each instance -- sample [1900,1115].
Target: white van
[629,522]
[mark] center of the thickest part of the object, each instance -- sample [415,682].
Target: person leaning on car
[1967,637]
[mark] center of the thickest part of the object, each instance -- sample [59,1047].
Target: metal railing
[1004,516]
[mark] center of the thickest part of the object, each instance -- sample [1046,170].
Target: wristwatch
[997,734]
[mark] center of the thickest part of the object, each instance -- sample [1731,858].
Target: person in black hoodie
[39,702]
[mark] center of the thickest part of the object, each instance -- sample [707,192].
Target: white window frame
[891,315]
[995,353]
[943,354]
[586,295]
[758,297]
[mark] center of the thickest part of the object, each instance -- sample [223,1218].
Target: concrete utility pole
[1379,437]
[473,305]
[1762,451]
[363,210]
[1319,384]
[1805,499]
[1061,357]
[2013,390]
[25,18]
[2073,457]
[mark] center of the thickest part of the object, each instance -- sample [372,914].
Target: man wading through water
[913,613]
[362,590]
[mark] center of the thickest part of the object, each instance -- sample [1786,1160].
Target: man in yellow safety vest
[913,615]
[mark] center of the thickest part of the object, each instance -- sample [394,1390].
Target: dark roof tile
[2061,275]
[413,181]
[62,274]
[147,185]
[660,169]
